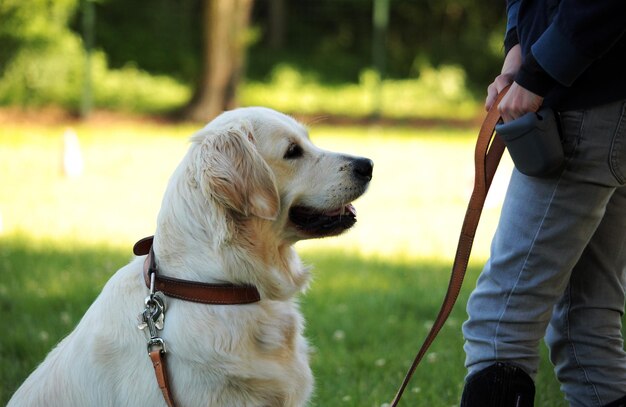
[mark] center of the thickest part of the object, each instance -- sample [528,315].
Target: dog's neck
[279,275]
[216,247]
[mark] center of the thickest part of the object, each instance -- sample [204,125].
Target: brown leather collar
[205,293]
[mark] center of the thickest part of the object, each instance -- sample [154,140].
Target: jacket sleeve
[581,32]
[511,39]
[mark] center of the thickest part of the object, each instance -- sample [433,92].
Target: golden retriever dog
[251,185]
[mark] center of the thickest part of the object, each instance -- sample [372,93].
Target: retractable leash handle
[487,154]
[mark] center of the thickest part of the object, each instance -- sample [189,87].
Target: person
[557,267]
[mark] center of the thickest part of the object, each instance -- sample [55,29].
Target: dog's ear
[234,173]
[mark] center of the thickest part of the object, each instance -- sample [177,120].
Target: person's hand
[517,102]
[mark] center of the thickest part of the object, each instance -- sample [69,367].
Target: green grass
[45,288]
[376,289]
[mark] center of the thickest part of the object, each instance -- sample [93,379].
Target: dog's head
[257,162]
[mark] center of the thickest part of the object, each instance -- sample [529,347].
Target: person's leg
[544,227]
[584,335]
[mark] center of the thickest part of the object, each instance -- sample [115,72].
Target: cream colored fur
[224,218]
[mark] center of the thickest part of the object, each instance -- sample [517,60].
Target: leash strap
[489,149]
[160,371]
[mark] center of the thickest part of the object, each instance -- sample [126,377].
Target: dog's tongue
[347,209]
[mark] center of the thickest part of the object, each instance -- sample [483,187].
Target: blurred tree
[88,23]
[40,57]
[276,23]
[159,36]
[201,45]
[224,40]
[331,40]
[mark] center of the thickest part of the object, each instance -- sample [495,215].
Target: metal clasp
[157,343]
[153,318]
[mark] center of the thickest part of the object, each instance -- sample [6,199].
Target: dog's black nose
[363,168]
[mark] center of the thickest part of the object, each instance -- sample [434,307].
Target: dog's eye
[294,151]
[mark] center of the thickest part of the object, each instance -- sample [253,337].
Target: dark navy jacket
[574,51]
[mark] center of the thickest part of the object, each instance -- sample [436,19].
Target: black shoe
[618,403]
[500,385]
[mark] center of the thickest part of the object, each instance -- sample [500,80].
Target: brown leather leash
[489,149]
[154,313]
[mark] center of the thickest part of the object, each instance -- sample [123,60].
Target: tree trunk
[224,38]
[277,15]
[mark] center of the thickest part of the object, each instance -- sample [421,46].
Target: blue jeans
[557,267]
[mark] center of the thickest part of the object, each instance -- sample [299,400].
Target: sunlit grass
[413,209]
[115,200]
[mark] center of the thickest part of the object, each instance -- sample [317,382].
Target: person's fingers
[507,116]
[507,109]
[502,81]
[492,93]
[493,90]
[517,102]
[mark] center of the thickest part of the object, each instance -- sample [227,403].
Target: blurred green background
[98,98]
[396,58]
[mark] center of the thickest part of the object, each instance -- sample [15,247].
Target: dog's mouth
[321,223]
